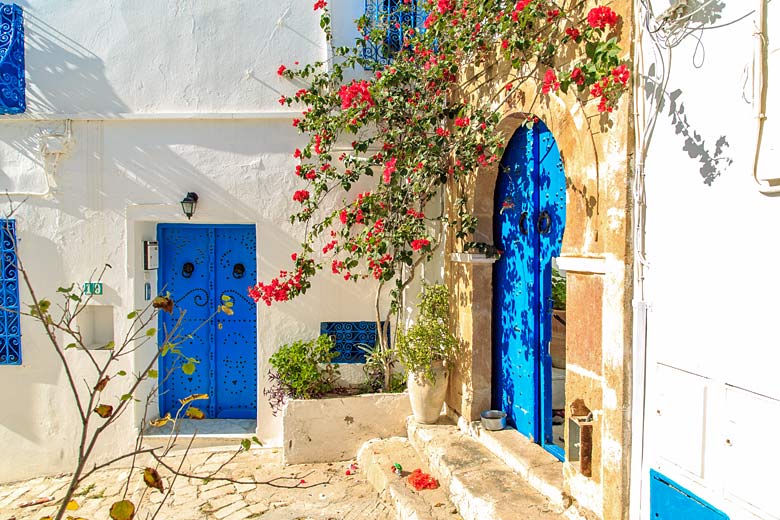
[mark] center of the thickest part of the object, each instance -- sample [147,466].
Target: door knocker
[187,269]
[544,223]
[523,226]
[238,271]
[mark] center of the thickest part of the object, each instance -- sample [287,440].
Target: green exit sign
[93,288]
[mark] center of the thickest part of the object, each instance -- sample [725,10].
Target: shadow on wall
[711,156]
[675,24]
[63,73]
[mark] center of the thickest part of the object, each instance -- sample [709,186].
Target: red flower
[281,70]
[462,121]
[294,256]
[282,100]
[573,32]
[552,14]
[420,243]
[577,76]
[550,82]
[296,122]
[504,44]
[320,4]
[602,16]
[297,153]
[421,480]
[355,94]
[300,196]
[389,170]
[343,216]
[621,74]
[445,5]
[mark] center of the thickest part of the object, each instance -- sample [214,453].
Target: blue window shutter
[350,336]
[10,331]
[12,98]
[387,13]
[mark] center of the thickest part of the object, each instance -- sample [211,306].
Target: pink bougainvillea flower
[551,82]
[601,17]
[573,32]
[320,4]
[462,121]
[420,243]
[301,196]
[281,70]
[577,76]
[389,170]
[621,74]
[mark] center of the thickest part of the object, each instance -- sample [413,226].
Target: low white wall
[329,430]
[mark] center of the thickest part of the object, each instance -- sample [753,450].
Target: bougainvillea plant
[385,144]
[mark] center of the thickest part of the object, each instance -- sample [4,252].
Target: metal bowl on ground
[493,420]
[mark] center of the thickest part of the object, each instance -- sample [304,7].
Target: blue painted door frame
[528,222]
[198,265]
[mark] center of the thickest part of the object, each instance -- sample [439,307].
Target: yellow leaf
[152,479]
[72,505]
[195,413]
[104,410]
[46,518]
[162,421]
[193,397]
[124,510]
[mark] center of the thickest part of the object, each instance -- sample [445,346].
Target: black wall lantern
[189,203]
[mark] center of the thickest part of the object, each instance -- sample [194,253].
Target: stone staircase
[483,474]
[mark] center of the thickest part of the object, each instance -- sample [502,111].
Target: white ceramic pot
[427,398]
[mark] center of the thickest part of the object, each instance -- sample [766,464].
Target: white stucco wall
[712,397]
[151,101]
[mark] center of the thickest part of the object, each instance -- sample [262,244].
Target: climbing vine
[410,128]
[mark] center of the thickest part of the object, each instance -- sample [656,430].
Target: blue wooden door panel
[198,265]
[670,501]
[236,335]
[550,224]
[192,291]
[529,219]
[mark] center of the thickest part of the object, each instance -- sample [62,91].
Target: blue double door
[529,219]
[199,264]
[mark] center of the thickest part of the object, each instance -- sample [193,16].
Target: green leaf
[75,297]
[132,315]
[151,332]
[188,368]
[121,373]
[246,444]
[152,373]
[65,289]
[108,346]
[71,345]
[126,397]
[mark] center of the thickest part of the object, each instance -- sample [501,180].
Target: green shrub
[558,290]
[302,370]
[429,339]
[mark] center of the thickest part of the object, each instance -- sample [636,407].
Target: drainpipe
[761,71]
[639,305]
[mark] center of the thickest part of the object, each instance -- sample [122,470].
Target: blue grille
[349,336]
[389,14]
[10,334]
[12,100]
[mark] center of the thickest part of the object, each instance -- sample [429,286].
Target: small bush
[558,290]
[302,370]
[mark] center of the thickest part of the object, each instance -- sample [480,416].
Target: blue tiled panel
[670,501]
[349,336]
[10,332]
[387,14]
[12,99]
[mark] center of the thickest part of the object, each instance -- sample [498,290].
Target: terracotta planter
[427,398]
[558,339]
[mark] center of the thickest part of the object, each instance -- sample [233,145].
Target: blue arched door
[528,223]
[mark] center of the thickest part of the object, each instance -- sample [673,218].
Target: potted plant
[426,349]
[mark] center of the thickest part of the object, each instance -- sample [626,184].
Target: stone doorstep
[375,460]
[480,482]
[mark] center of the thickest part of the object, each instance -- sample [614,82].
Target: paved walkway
[324,492]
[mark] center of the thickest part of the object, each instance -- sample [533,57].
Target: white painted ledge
[472,258]
[152,116]
[582,264]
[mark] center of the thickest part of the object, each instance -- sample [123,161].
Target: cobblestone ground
[324,492]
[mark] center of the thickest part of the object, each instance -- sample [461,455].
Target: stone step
[376,458]
[479,483]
